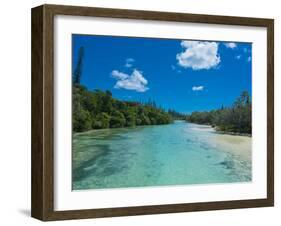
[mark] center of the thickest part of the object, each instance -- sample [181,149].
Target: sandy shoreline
[234,144]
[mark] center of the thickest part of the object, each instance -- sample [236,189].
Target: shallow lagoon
[175,154]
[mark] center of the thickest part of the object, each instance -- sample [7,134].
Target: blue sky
[184,75]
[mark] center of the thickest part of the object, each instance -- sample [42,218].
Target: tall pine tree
[78,70]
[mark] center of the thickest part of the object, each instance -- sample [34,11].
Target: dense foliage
[237,118]
[177,115]
[99,110]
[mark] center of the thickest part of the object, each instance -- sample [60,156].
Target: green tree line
[177,115]
[236,118]
[99,110]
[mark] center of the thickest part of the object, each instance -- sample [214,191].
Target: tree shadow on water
[100,165]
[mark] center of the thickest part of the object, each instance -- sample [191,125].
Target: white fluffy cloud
[119,75]
[230,45]
[197,88]
[198,55]
[135,81]
[129,62]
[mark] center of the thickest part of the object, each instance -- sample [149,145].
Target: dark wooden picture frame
[42,203]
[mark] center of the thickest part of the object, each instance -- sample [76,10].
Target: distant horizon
[181,75]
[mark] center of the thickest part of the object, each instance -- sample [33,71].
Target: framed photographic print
[141,112]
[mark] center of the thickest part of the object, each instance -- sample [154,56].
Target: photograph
[152,112]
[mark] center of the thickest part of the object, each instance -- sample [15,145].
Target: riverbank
[240,146]
[235,145]
[219,131]
[123,128]
[215,129]
[232,133]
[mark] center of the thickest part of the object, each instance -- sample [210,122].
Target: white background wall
[15,112]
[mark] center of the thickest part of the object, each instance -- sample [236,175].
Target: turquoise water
[175,154]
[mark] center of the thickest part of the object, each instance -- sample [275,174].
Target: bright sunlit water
[175,154]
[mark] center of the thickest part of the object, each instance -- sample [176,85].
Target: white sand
[237,145]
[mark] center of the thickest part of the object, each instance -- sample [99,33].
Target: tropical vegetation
[236,118]
[99,110]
